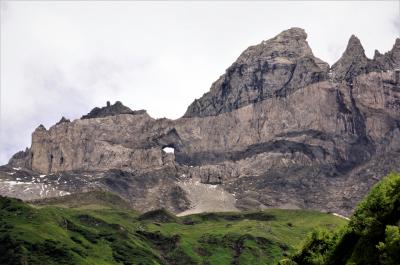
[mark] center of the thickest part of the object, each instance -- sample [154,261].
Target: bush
[390,249]
[360,243]
[318,248]
[380,207]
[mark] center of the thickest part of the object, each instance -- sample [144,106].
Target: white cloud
[64,58]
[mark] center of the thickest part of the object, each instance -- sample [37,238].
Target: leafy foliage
[371,237]
[389,250]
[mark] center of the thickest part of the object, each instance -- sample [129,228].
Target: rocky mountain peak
[275,67]
[290,43]
[110,110]
[40,128]
[63,120]
[352,62]
[377,54]
[394,54]
[293,33]
[354,47]
[390,60]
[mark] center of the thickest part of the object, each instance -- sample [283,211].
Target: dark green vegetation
[372,236]
[94,199]
[97,228]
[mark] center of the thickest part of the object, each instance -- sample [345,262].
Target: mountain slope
[101,234]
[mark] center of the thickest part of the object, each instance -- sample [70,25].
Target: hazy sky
[64,58]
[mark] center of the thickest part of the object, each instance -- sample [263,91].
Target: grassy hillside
[94,199]
[372,236]
[100,232]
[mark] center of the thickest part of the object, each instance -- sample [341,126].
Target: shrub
[373,221]
[390,249]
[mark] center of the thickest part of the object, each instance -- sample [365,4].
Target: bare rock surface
[207,198]
[279,129]
[110,110]
[275,67]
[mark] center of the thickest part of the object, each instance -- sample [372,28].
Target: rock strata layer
[279,129]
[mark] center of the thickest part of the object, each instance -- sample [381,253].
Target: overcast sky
[64,58]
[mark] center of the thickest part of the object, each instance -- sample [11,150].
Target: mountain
[280,129]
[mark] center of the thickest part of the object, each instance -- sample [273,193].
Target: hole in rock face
[169,150]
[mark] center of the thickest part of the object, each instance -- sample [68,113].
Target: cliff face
[279,129]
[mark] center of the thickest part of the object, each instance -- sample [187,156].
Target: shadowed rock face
[279,129]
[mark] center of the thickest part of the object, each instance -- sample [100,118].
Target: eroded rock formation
[279,129]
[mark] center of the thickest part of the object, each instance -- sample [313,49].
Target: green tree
[390,249]
[375,220]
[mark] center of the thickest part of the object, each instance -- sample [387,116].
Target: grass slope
[91,199]
[106,233]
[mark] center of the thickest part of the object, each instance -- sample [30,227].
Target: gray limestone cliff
[280,128]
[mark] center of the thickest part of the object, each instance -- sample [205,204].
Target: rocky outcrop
[279,129]
[389,60]
[63,119]
[353,61]
[21,159]
[111,110]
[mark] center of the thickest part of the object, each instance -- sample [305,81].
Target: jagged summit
[352,62]
[40,128]
[389,60]
[354,50]
[295,33]
[290,43]
[110,110]
[354,45]
[275,67]
[63,120]
[279,66]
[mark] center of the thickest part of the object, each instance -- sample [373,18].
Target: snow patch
[169,150]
